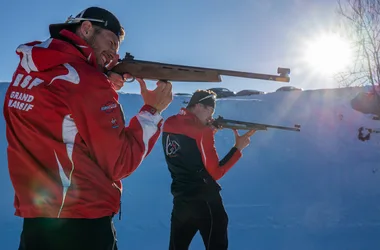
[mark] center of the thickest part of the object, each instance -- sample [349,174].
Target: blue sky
[246,35]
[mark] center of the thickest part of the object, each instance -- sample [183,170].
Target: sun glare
[328,54]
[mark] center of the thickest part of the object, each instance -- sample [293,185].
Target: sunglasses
[74,20]
[206,97]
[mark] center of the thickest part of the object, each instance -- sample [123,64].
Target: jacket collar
[189,114]
[85,50]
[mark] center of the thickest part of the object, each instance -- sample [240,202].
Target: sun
[327,54]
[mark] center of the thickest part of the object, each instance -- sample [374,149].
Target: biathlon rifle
[182,73]
[220,122]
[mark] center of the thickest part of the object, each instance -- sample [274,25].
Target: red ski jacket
[68,145]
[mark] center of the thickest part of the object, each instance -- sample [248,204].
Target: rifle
[181,73]
[220,122]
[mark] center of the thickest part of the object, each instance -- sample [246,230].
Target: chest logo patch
[172,146]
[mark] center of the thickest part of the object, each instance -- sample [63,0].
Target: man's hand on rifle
[117,80]
[160,97]
[242,141]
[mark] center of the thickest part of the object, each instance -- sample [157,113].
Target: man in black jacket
[188,142]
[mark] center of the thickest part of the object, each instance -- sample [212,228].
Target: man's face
[205,113]
[104,43]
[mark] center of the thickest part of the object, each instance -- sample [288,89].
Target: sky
[309,190]
[243,35]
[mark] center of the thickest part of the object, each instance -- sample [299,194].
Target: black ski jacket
[191,157]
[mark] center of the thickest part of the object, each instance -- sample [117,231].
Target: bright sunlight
[327,54]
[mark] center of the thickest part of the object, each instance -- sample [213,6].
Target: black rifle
[181,73]
[220,122]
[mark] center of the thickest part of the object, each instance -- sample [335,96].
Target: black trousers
[189,216]
[64,234]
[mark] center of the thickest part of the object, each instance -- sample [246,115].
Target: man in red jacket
[194,165]
[68,144]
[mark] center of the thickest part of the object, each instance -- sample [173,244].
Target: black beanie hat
[100,17]
[205,97]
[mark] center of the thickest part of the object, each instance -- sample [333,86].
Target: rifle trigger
[133,78]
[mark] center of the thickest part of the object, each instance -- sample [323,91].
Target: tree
[361,18]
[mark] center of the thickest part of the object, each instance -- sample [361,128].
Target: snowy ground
[315,189]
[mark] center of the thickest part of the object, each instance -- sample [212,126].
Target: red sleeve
[206,145]
[118,149]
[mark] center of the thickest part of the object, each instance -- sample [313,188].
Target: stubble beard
[91,41]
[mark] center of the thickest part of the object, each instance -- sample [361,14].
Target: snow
[314,189]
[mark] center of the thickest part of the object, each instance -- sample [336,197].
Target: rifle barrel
[277,78]
[256,126]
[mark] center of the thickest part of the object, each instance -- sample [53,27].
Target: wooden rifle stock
[181,73]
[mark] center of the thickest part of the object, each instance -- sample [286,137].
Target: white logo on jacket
[72,76]
[172,146]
